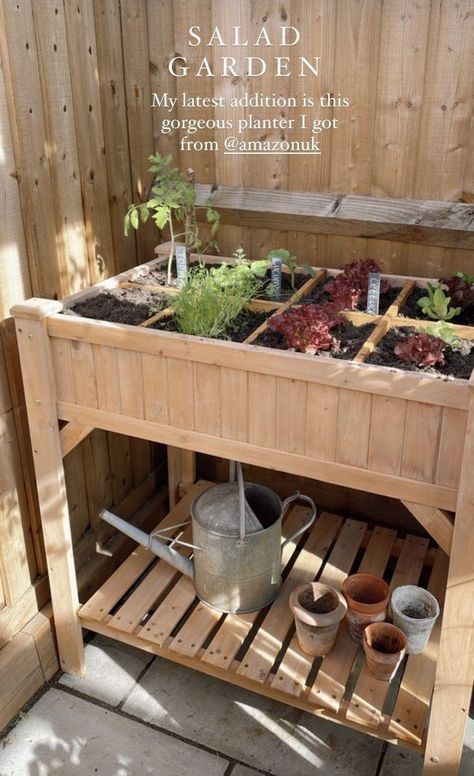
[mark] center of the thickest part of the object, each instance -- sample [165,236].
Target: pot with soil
[318,609]
[414,611]
[385,648]
[367,601]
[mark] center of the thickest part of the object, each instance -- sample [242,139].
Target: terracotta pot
[318,609]
[367,601]
[414,611]
[385,648]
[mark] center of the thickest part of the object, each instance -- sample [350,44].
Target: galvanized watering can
[237,544]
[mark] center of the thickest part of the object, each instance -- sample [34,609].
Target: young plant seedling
[421,349]
[446,332]
[436,304]
[349,289]
[260,267]
[460,287]
[172,196]
[307,328]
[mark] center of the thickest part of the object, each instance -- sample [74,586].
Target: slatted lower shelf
[148,604]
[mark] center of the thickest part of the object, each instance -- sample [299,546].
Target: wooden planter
[403,435]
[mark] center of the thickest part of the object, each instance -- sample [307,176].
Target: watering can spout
[168,554]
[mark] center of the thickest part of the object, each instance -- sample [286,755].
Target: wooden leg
[455,671]
[181,473]
[40,393]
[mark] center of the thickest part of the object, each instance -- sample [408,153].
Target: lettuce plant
[349,289]
[307,328]
[437,304]
[421,349]
[446,332]
[460,288]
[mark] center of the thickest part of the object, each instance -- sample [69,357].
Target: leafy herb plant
[421,349]
[172,197]
[437,304]
[307,328]
[349,289]
[213,298]
[260,267]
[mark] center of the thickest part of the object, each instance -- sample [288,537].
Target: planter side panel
[356,431]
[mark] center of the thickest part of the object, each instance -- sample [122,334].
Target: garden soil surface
[351,338]
[120,305]
[242,327]
[411,310]
[318,296]
[459,363]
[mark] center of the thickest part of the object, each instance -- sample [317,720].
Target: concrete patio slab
[112,669]
[67,735]
[248,727]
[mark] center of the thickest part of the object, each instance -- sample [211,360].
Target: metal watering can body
[237,558]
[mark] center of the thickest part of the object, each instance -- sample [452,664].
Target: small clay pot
[318,609]
[385,648]
[367,601]
[414,611]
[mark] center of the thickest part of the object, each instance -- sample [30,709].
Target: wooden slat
[128,617]
[402,220]
[353,428]
[235,628]
[438,523]
[291,415]
[331,680]
[420,448]
[262,409]
[453,429]
[62,359]
[107,378]
[180,393]
[155,386]
[84,374]
[295,665]
[387,431]
[71,435]
[235,402]
[208,399]
[169,613]
[131,383]
[365,378]
[321,421]
[259,658]
[339,474]
[366,704]
[413,700]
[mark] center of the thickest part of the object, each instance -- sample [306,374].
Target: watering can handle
[299,497]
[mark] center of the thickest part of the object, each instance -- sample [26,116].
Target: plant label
[373,293]
[181,265]
[276,278]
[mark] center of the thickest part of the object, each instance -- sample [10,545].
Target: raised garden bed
[344,419]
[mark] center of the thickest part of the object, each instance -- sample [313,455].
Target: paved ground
[138,716]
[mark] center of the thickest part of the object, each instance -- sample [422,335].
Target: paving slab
[399,761]
[112,669]
[71,736]
[242,770]
[253,729]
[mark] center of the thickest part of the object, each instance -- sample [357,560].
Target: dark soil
[242,327]
[411,310]
[351,338]
[159,277]
[318,296]
[387,644]
[120,305]
[419,612]
[459,363]
[323,605]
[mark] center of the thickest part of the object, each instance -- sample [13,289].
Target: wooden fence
[77,126]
